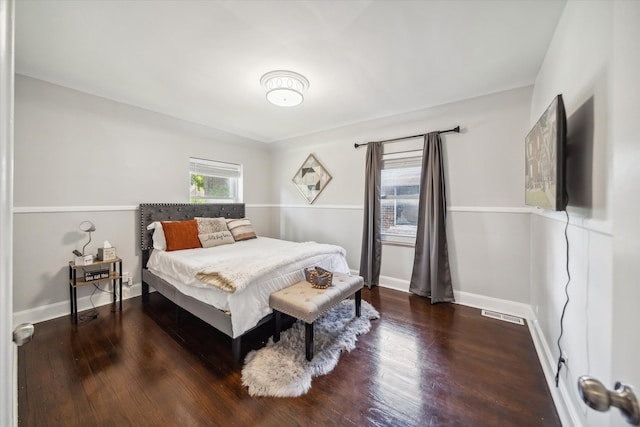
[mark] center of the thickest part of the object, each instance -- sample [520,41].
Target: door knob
[598,397]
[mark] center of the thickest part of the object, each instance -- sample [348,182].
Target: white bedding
[248,305]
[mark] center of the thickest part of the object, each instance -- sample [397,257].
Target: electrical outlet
[127,280]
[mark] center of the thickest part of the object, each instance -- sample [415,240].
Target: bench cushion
[306,303]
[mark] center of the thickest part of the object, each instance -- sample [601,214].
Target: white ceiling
[201,61]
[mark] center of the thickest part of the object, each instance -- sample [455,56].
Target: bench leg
[278,325]
[308,340]
[358,302]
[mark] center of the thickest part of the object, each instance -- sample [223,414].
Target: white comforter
[250,303]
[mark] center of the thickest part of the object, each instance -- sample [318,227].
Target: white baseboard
[482,302]
[59,309]
[567,411]
[393,283]
[467,299]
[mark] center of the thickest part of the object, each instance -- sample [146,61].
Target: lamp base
[84,260]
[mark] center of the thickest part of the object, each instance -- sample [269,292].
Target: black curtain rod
[455,129]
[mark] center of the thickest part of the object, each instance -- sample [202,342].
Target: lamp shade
[87,226]
[284,88]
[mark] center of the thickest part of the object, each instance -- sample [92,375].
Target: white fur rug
[282,370]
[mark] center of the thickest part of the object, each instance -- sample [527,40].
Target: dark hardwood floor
[420,365]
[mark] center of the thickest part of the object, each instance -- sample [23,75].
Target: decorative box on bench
[96,274]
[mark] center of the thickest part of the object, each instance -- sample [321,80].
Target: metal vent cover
[504,317]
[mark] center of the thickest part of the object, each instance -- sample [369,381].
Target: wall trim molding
[337,207]
[109,208]
[59,209]
[489,209]
[577,220]
[60,309]
[260,205]
[482,209]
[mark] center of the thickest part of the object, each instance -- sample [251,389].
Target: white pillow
[209,240]
[241,229]
[159,241]
[211,225]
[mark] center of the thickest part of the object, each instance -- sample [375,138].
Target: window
[214,182]
[399,196]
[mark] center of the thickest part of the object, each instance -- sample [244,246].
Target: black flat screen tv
[545,159]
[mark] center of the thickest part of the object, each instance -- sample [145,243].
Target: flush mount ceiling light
[284,88]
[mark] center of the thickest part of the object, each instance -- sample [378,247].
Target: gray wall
[80,157]
[488,224]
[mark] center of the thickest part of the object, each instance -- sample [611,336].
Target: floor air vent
[502,316]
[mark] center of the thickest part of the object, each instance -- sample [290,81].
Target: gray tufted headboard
[150,212]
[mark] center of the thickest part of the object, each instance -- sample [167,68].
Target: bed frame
[150,212]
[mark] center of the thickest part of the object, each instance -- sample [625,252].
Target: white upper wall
[485,162]
[76,149]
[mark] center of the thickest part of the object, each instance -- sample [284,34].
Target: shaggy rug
[282,370]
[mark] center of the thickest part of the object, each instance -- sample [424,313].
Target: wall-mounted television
[545,159]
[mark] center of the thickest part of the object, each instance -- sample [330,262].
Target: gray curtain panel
[431,275]
[371,254]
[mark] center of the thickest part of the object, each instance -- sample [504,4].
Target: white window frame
[395,160]
[217,169]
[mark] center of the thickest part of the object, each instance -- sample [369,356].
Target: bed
[183,276]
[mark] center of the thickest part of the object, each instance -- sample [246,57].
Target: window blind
[214,168]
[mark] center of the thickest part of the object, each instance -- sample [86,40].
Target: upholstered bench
[307,303]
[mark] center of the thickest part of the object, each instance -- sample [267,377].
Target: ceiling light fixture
[284,88]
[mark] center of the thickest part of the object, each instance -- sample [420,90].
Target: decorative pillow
[218,238]
[159,241]
[181,234]
[241,229]
[211,225]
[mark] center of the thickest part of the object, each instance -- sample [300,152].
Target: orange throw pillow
[181,235]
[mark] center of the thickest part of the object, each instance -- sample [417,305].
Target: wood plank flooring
[420,365]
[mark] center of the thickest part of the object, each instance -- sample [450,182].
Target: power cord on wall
[561,359]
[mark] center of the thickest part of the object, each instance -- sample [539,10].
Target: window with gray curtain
[399,196]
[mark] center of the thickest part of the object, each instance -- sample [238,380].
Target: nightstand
[114,267]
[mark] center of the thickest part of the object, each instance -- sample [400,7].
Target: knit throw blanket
[233,275]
